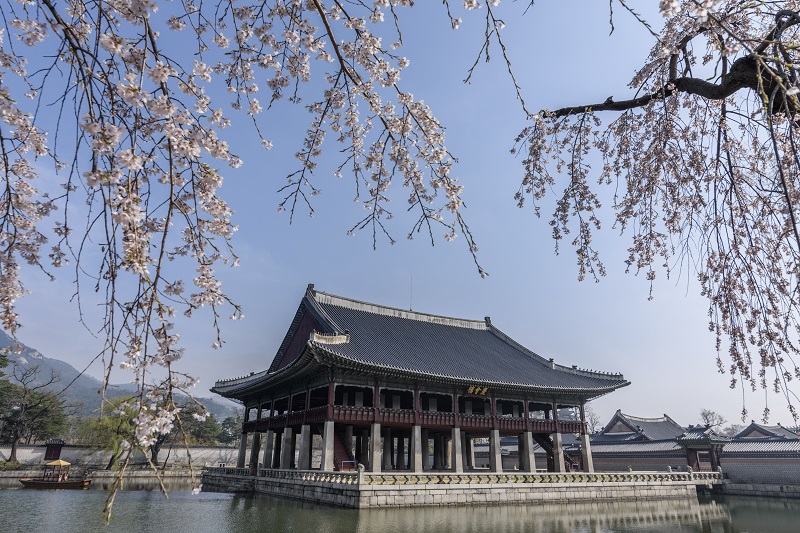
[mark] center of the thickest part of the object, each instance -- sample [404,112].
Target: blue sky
[563,55]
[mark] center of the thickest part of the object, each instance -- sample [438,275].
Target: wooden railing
[364,415]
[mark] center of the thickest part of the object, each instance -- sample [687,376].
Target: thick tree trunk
[12,458]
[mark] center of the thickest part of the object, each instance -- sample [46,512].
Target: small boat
[55,477]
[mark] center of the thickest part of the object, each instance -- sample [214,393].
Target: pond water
[140,508]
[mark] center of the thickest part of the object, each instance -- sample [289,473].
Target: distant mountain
[83,390]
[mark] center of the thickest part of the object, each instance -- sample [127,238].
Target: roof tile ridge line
[549,362]
[645,419]
[316,309]
[358,305]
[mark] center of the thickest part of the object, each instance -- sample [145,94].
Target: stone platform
[362,490]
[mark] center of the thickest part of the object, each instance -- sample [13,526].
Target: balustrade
[474,477]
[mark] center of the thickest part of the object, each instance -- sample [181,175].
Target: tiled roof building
[379,383]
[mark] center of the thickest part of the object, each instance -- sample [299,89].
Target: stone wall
[365,490]
[92,457]
[773,470]
[639,462]
[761,489]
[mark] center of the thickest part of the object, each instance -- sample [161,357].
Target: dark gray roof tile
[441,346]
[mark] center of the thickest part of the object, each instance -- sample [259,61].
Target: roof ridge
[349,303]
[663,418]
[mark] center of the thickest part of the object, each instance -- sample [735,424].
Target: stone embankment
[365,490]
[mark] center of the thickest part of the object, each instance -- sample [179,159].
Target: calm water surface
[142,509]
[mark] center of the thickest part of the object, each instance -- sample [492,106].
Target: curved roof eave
[335,358]
[264,378]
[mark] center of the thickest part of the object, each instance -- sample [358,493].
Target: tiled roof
[695,435]
[768,431]
[616,437]
[762,446]
[660,428]
[394,339]
[658,446]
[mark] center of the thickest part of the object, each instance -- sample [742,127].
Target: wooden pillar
[331,399]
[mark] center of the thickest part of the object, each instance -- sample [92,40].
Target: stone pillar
[438,452]
[426,452]
[287,448]
[327,464]
[254,451]
[586,451]
[458,459]
[495,456]
[387,448]
[464,451]
[269,446]
[363,458]
[348,440]
[242,451]
[400,459]
[415,444]
[558,453]
[469,452]
[375,447]
[293,449]
[448,453]
[527,461]
[304,455]
[277,455]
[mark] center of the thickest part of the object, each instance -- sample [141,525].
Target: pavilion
[397,390]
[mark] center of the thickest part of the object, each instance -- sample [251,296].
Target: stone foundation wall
[761,489]
[638,463]
[364,490]
[768,470]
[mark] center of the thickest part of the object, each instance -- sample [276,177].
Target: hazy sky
[563,55]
